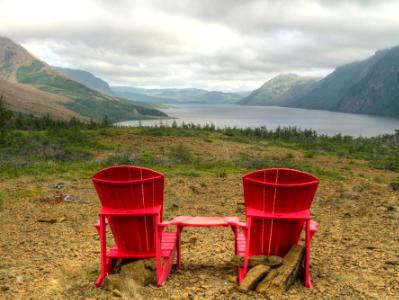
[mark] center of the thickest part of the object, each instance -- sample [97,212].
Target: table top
[204,221]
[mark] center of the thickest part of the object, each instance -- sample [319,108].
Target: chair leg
[243,270]
[103,250]
[308,236]
[178,246]
[166,268]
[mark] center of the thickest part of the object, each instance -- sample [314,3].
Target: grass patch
[72,152]
[180,154]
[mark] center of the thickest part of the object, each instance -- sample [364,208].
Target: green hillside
[22,75]
[87,102]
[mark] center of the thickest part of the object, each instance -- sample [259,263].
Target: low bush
[180,154]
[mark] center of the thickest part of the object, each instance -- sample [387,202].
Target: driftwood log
[271,274]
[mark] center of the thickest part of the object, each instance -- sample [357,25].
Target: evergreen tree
[5,119]
[105,122]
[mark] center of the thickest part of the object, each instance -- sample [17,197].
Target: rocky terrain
[49,249]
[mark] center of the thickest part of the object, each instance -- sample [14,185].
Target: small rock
[116,293]
[4,288]
[192,240]
[47,220]
[194,189]
[232,278]
[59,185]
[392,262]
[253,276]
[392,208]
[113,281]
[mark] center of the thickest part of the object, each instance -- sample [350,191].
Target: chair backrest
[131,187]
[277,190]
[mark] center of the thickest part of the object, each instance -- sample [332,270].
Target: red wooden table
[188,221]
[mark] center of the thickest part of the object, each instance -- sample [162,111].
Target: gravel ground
[49,250]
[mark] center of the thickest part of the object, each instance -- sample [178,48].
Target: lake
[324,122]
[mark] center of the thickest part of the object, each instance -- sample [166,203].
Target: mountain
[86,78]
[280,89]
[370,86]
[187,95]
[32,86]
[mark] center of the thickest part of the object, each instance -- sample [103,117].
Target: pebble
[232,278]
[47,220]
[392,262]
[392,208]
[59,185]
[116,293]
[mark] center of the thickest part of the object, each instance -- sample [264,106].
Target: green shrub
[180,155]
[120,158]
[221,173]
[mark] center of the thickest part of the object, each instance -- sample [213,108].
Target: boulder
[132,277]
[141,271]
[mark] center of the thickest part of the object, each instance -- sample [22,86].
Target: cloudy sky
[211,44]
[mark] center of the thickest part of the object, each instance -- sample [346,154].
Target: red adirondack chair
[277,205]
[131,204]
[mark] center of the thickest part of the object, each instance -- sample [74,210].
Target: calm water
[324,122]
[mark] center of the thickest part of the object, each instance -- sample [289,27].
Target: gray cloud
[210,44]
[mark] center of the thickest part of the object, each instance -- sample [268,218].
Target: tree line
[12,120]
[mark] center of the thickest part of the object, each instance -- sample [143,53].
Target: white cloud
[222,45]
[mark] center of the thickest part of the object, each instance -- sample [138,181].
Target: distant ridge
[280,89]
[174,95]
[369,86]
[86,78]
[31,86]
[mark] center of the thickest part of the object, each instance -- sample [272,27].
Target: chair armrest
[97,225]
[314,226]
[235,222]
[156,210]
